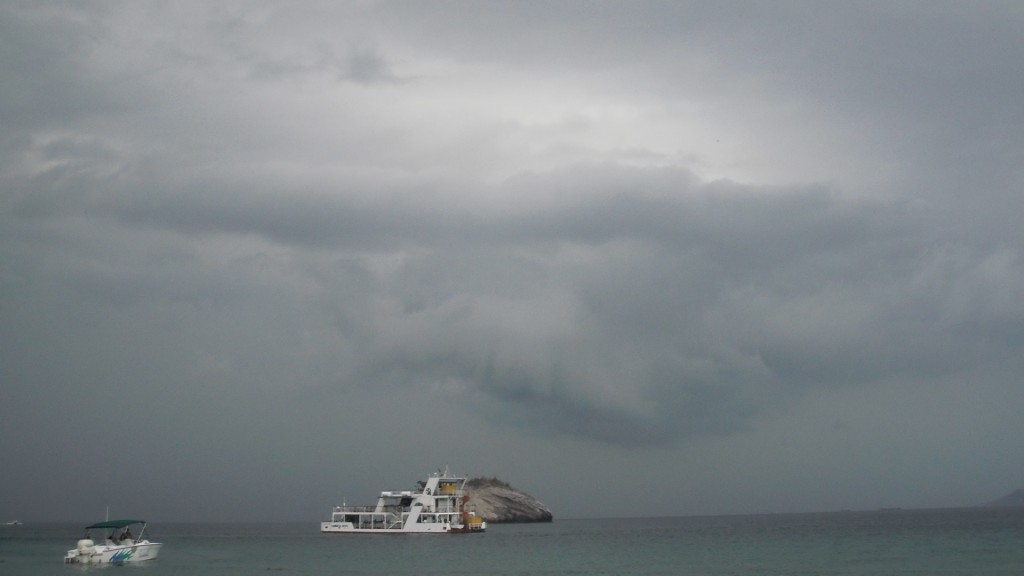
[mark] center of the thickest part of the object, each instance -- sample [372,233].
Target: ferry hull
[335,528]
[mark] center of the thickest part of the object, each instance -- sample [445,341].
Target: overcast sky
[635,258]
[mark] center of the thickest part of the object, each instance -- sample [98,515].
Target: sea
[968,542]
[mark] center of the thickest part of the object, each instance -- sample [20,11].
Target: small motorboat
[118,546]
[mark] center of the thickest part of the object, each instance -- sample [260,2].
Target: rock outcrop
[495,501]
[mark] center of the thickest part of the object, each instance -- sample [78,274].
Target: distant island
[1014,499]
[495,501]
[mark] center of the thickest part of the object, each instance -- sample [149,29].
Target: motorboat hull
[115,554]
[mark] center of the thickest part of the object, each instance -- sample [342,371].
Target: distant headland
[1014,499]
[495,501]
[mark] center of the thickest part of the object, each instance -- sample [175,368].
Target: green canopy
[115,524]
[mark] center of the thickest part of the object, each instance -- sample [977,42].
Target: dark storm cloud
[644,306]
[607,235]
[692,301]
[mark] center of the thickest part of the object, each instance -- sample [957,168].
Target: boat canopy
[115,524]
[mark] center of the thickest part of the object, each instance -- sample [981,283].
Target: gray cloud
[610,236]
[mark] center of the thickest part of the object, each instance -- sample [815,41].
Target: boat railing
[350,509]
[370,509]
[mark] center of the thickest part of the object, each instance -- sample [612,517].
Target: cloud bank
[634,230]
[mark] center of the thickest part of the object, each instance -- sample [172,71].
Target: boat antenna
[107,517]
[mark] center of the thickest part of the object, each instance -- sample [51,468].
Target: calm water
[939,542]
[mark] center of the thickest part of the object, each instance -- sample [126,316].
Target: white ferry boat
[439,506]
